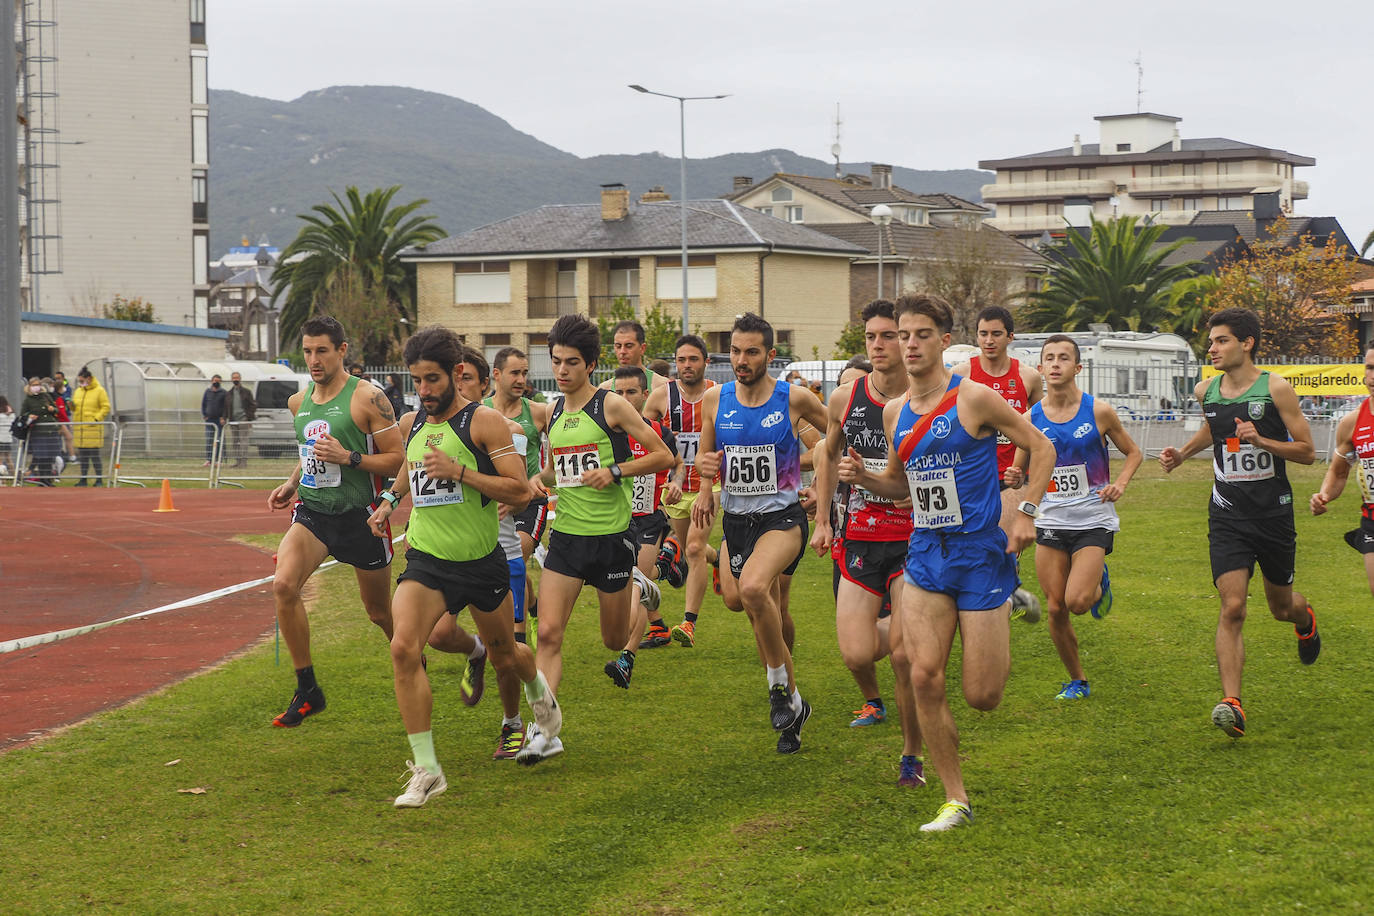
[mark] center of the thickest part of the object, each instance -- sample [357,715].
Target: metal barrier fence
[74,452]
[184,452]
[243,459]
[1174,428]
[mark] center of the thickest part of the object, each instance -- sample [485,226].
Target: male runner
[679,401]
[748,436]
[460,461]
[348,441]
[628,343]
[648,525]
[961,565]
[1074,532]
[875,535]
[1021,387]
[1254,427]
[589,461]
[1354,449]
[510,371]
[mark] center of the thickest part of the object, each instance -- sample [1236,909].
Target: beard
[443,403]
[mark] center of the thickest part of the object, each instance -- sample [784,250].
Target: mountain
[271,160]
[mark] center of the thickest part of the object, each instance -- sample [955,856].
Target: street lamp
[882,217]
[682,101]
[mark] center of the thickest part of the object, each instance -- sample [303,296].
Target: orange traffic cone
[165,503]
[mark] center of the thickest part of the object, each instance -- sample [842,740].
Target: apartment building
[1140,165]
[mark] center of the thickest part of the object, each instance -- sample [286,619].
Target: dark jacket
[247,406]
[212,404]
[42,406]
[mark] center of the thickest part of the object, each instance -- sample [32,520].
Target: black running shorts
[532,519]
[742,532]
[1240,543]
[602,561]
[480,584]
[346,536]
[1072,541]
[872,565]
[650,528]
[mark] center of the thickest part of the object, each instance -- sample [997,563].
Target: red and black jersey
[1013,391]
[868,517]
[647,491]
[684,419]
[1363,438]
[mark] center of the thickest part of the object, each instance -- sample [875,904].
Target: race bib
[751,470]
[934,498]
[1068,482]
[1367,479]
[1242,462]
[687,447]
[642,497]
[572,461]
[426,491]
[316,473]
[859,497]
[1002,439]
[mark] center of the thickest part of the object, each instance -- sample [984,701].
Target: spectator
[818,390]
[239,412]
[43,440]
[661,367]
[212,412]
[395,394]
[61,387]
[7,416]
[90,407]
[63,402]
[795,378]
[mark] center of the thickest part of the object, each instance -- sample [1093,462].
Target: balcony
[1199,185]
[551,306]
[602,305]
[1048,190]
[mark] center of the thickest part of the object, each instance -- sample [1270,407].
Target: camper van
[1141,374]
[169,391]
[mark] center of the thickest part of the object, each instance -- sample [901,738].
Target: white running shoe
[540,552]
[1025,606]
[547,714]
[952,814]
[423,786]
[649,594]
[538,746]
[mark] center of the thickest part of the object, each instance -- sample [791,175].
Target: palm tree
[345,262]
[1368,243]
[1115,275]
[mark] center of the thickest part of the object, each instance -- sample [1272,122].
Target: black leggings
[88,455]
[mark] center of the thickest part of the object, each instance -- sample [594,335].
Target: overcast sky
[922,85]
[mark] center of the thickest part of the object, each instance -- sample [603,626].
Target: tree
[969,277]
[1116,275]
[661,330]
[1293,285]
[121,309]
[345,262]
[1368,243]
[851,342]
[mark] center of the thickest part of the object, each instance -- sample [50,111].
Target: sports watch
[355,459]
[388,496]
[1029,508]
[616,472]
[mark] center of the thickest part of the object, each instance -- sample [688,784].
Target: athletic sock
[878,702]
[534,690]
[305,679]
[627,653]
[796,700]
[512,721]
[690,617]
[1307,630]
[533,609]
[422,746]
[479,651]
[520,638]
[777,676]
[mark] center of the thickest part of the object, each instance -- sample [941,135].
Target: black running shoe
[780,712]
[1309,646]
[620,668]
[789,742]
[302,705]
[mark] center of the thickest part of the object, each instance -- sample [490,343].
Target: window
[1228,168]
[1123,147]
[1087,174]
[198,22]
[766,211]
[701,277]
[1123,381]
[1054,208]
[200,137]
[481,281]
[794,214]
[199,80]
[1190,203]
[914,216]
[782,194]
[200,258]
[201,306]
[200,195]
[1192,168]
[1231,203]
[1159,170]
[1159,204]
[1142,380]
[623,277]
[491,343]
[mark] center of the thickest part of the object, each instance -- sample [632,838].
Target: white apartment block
[114,156]
[1140,166]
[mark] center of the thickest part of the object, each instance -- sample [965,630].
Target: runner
[460,461]
[648,525]
[628,342]
[348,441]
[1021,387]
[510,385]
[1254,427]
[1075,530]
[961,566]
[679,401]
[874,537]
[748,434]
[1354,448]
[589,459]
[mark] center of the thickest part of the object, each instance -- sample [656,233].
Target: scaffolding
[39,153]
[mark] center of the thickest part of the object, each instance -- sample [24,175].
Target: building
[242,301]
[506,283]
[1141,165]
[114,156]
[928,236]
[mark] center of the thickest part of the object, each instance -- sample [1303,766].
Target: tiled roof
[931,243]
[856,193]
[649,226]
[1198,145]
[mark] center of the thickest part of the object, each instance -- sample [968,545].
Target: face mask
[237,383]
[36,389]
[214,384]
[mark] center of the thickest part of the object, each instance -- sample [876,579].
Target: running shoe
[474,682]
[509,744]
[1073,690]
[620,668]
[1103,606]
[671,564]
[911,772]
[686,634]
[780,712]
[789,742]
[1025,606]
[649,594]
[301,706]
[656,636]
[952,814]
[1309,646]
[868,714]
[421,787]
[538,746]
[715,575]
[547,715]
[1229,717]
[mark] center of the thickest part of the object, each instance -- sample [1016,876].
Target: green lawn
[671,799]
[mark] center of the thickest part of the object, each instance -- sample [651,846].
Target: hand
[1020,532]
[597,478]
[440,465]
[850,468]
[537,489]
[704,509]
[1014,477]
[1169,459]
[1111,493]
[1245,432]
[1318,502]
[807,495]
[329,449]
[377,520]
[502,512]
[708,464]
[672,493]
[821,538]
[281,497]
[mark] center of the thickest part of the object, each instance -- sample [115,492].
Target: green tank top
[451,521]
[526,421]
[579,441]
[325,487]
[1248,481]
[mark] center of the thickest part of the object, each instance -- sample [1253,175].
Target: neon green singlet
[526,421]
[325,487]
[451,521]
[579,443]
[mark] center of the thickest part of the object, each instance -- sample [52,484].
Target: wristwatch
[616,472]
[388,496]
[1029,508]
[355,459]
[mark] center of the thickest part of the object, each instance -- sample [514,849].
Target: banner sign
[1316,380]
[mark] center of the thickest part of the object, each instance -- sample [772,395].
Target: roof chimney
[615,201]
[1176,143]
[743,181]
[653,194]
[882,175]
[1077,145]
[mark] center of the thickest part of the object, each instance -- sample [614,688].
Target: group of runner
[929,484]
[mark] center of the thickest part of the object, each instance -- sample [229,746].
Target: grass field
[671,799]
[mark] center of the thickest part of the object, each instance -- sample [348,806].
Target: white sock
[478,651]
[796,700]
[777,676]
[512,722]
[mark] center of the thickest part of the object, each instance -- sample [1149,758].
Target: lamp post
[682,101]
[882,217]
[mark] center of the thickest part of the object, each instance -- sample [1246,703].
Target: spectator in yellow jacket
[90,405]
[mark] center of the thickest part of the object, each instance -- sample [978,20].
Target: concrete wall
[809,296]
[69,343]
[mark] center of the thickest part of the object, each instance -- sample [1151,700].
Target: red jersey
[1363,438]
[648,490]
[869,517]
[684,419]
[1013,391]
